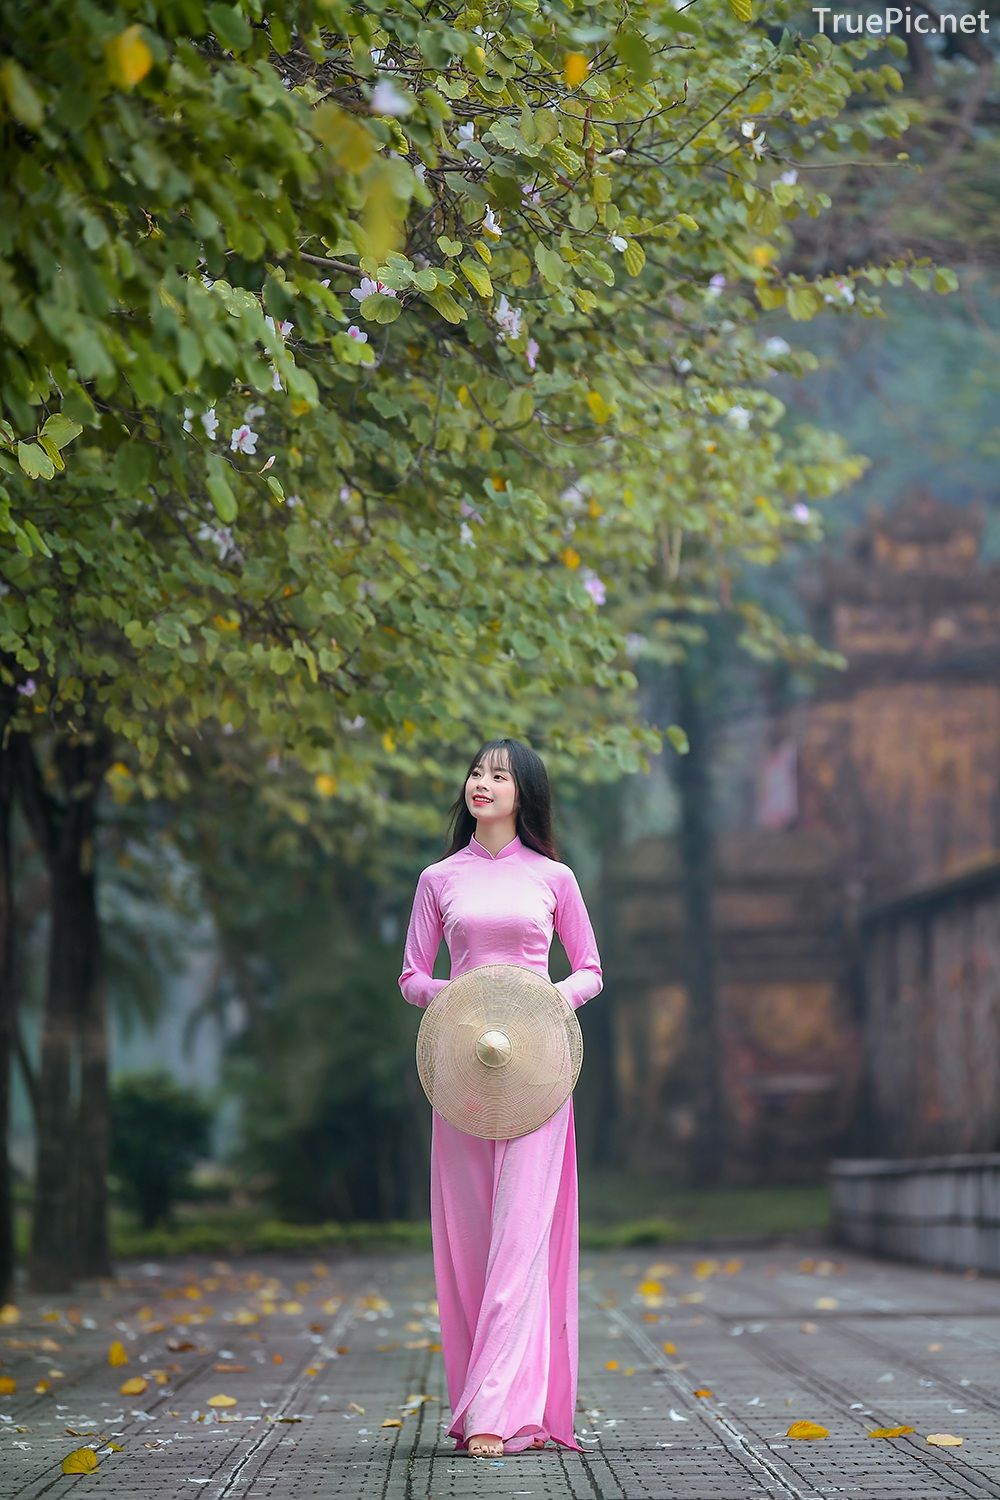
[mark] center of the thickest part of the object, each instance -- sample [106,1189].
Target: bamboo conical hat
[499,1050]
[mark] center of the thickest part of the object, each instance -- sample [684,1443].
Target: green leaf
[634,258]
[526,649]
[443,302]
[22,100]
[35,461]
[945,280]
[477,276]
[379,308]
[219,489]
[448,246]
[230,27]
[61,430]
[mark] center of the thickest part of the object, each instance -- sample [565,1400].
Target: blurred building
[849,827]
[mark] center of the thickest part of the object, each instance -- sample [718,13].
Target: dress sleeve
[423,938]
[576,934]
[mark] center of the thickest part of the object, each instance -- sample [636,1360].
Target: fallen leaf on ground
[945,1440]
[8,1385]
[809,1328]
[888,1432]
[80,1461]
[826,1303]
[117,1354]
[133,1387]
[703,1390]
[225,1368]
[670,1348]
[221,1401]
[807,1430]
[392,1422]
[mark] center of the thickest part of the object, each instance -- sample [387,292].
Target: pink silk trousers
[505,1230]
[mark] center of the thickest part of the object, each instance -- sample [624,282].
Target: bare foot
[538,1442]
[486,1445]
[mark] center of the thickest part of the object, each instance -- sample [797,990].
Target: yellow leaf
[887,1432]
[221,1401]
[80,1461]
[945,1440]
[133,1387]
[670,1348]
[734,1265]
[43,1386]
[571,557]
[595,510]
[11,1314]
[392,1422]
[575,69]
[8,1385]
[128,58]
[388,741]
[705,1268]
[612,1364]
[462,395]
[825,1303]
[599,408]
[117,1354]
[807,1430]
[326,786]
[762,255]
[703,1390]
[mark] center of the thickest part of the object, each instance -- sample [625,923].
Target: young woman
[504,1214]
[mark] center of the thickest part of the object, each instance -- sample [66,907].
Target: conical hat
[499,1050]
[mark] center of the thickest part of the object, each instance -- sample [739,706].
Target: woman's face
[492,779]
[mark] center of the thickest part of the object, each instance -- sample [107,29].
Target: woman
[504,1214]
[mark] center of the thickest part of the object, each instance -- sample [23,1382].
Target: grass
[616,1211]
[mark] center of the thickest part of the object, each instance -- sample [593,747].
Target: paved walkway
[691,1371]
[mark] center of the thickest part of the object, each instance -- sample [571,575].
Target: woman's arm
[572,923]
[423,938]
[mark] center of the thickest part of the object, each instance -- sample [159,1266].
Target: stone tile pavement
[691,1371]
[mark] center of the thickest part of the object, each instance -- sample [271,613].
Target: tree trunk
[7,1247]
[69,1220]
[703,1045]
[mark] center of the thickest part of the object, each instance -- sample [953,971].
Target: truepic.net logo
[905,18]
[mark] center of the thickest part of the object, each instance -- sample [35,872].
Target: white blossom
[791,176]
[387,99]
[749,128]
[634,642]
[465,534]
[776,346]
[739,416]
[532,195]
[491,224]
[801,512]
[355,332]
[284,327]
[618,242]
[844,293]
[757,147]
[531,352]
[252,413]
[465,134]
[276,384]
[595,588]
[420,171]
[716,284]
[188,414]
[508,318]
[210,422]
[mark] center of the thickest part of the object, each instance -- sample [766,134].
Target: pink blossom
[354,332]
[369,287]
[595,588]
[28,688]
[243,439]
[531,352]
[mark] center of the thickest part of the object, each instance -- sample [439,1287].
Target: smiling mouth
[483,800]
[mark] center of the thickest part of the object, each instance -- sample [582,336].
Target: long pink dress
[505,1214]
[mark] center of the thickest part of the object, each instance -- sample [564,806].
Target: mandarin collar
[477,848]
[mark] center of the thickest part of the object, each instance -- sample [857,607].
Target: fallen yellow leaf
[392,1422]
[133,1387]
[826,1302]
[221,1401]
[8,1385]
[80,1461]
[117,1354]
[888,1432]
[703,1391]
[945,1440]
[670,1348]
[11,1314]
[612,1364]
[807,1430]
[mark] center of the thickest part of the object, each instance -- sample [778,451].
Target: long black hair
[533,820]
